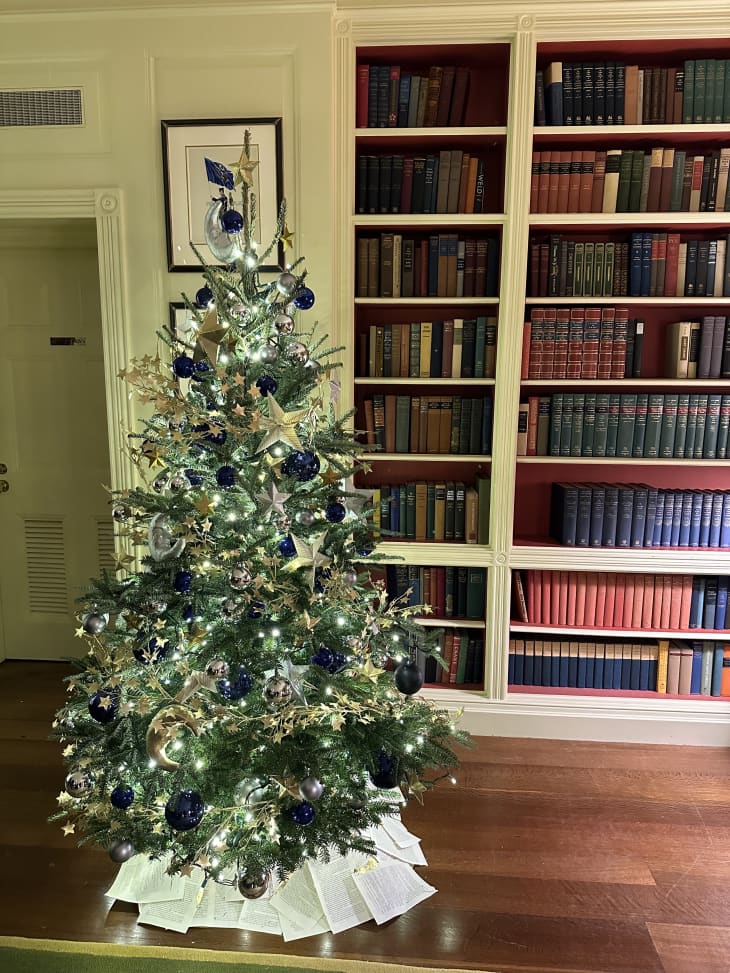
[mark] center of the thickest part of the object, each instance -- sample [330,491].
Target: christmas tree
[249,689]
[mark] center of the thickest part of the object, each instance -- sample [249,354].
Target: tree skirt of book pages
[317,898]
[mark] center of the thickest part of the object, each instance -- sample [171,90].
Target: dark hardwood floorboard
[549,857]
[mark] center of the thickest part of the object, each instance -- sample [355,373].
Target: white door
[54,456]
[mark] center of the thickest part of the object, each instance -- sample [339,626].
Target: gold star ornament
[280,426]
[209,338]
[287,238]
[243,169]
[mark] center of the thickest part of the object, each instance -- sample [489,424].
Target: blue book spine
[564,664]
[685,523]
[395,509]
[645,668]
[610,516]
[676,519]
[608,666]
[656,540]
[721,606]
[529,668]
[646,264]
[710,606]
[583,522]
[668,518]
[696,519]
[651,499]
[598,502]
[696,608]
[706,519]
[511,663]
[635,264]
[519,675]
[537,667]
[635,668]
[597,682]
[433,265]
[590,668]
[725,522]
[696,678]
[582,669]
[625,516]
[555,670]
[717,669]
[487,426]
[573,666]
[716,519]
[638,521]
[619,664]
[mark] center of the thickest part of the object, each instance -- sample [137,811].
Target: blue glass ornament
[194,478]
[335,512]
[202,367]
[154,651]
[183,366]
[303,465]
[339,661]
[183,581]
[365,551]
[232,221]
[235,689]
[287,547]
[257,609]
[266,385]
[226,477]
[214,434]
[408,678]
[184,811]
[384,775]
[302,813]
[303,299]
[188,614]
[321,577]
[218,174]
[122,797]
[324,658]
[103,712]
[204,296]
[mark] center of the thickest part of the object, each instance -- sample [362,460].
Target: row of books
[629,181]
[638,515]
[429,424]
[657,264]
[672,602]
[455,348]
[615,93]
[462,649]
[450,182]
[696,668]
[433,511]
[440,265]
[451,592]
[582,342]
[647,425]
[389,96]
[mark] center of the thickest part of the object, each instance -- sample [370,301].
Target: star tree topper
[280,426]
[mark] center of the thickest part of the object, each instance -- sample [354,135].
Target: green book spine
[556,422]
[598,268]
[625,167]
[702,404]
[626,423]
[430,510]
[689,443]
[461,664]
[484,489]
[689,93]
[410,510]
[576,434]
[459,512]
[637,171]
[578,264]
[726,96]
[480,339]
[465,426]
[614,406]
[589,425]
[669,425]
[653,425]
[450,511]
[402,511]
[402,423]
[680,436]
[543,426]
[600,436]
[720,74]
[588,269]
[712,425]
[642,406]
[709,115]
[698,101]
[723,428]
[609,260]
[675,199]
[455,424]
[475,592]
[414,361]
[450,592]
[566,425]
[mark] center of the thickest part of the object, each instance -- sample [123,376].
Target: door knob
[3,468]
[4,486]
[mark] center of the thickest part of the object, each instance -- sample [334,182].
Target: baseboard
[620,720]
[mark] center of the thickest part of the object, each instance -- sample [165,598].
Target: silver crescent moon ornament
[161,542]
[224,247]
[163,730]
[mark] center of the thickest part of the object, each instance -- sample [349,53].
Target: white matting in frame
[185,146]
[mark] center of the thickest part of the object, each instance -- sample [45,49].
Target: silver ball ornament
[178,483]
[286,284]
[121,850]
[349,576]
[79,782]
[252,885]
[159,484]
[231,608]
[252,791]
[217,668]
[268,354]
[311,789]
[306,518]
[120,512]
[95,623]
[240,577]
[284,323]
[298,352]
[278,692]
[154,606]
[239,311]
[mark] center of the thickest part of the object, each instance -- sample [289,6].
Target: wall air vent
[46,566]
[41,107]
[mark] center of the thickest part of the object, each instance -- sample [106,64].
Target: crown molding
[21,10]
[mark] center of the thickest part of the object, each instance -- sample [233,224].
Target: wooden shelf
[623,461]
[426,301]
[427,457]
[640,220]
[692,634]
[614,383]
[648,560]
[685,303]
[436,135]
[397,220]
[588,134]
[468,382]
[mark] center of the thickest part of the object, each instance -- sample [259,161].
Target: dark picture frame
[185,145]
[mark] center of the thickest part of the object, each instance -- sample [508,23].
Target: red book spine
[628,614]
[548,343]
[572,598]
[672,265]
[638,606]
[530,595]
[591,598]
[363,81]
[575,342]
[591,343]
[618,605]
[535,180]
[646,612]
[545,615]
[605,342]
[563,598]
[555,597]
[406,191]
[580,598]
[599,178]
[586,181]
[601,599]
[532,408]
[553,182]
[526,350]
[618,349]
[666,600]
[536,332]
[562,330]
[454,664]
[537,594]
[675,608]
[563,182]
[576,161]
[656,610]
[686,601]
[543,182]
[610,600]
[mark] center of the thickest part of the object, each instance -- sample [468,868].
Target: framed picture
[185,146]
[181,321]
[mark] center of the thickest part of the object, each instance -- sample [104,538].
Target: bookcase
[605,284]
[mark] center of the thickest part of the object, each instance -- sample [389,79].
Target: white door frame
[104,206]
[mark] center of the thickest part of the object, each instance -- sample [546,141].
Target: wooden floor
[548,856]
